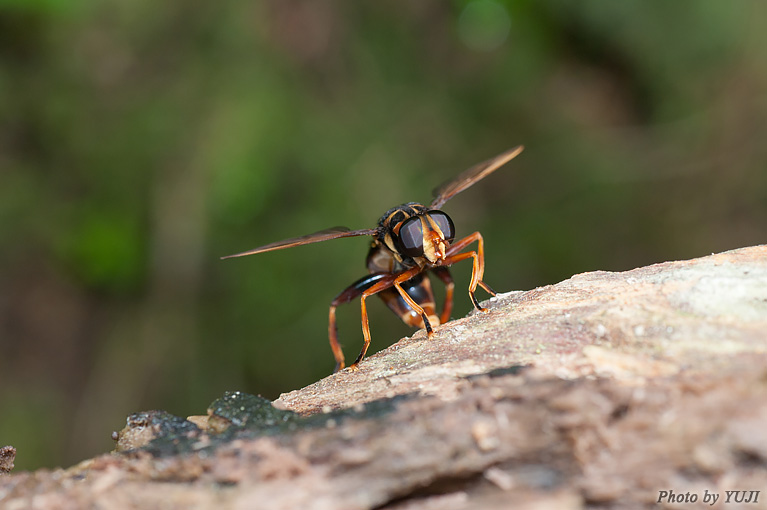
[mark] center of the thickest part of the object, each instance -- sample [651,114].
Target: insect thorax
[397,215]
[383,255]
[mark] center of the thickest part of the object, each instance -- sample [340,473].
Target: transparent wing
[322,235]
[476,173]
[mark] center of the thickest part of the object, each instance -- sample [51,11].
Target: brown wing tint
[472,175]
[322,235]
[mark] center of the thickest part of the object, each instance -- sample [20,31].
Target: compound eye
[410,238]
[444,223]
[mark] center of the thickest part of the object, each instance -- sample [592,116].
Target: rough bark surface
[597,392]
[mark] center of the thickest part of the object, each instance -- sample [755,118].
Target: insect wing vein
[474,174]
[323,235]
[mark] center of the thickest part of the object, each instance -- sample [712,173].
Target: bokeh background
[140,141]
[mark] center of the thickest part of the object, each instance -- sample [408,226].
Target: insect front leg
[415,306]
[478,266]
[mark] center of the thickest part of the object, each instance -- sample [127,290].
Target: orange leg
[443,274]
[351,292]
[391,280]
[366,287]
[412,304]
[338,354]
[478,265]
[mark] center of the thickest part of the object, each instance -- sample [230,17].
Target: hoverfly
[410,240]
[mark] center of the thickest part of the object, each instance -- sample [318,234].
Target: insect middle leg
[443,274]
[391,280]
[351,292]
[419,289]
[365,287]
[478,266]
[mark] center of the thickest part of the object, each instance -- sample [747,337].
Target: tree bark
[607,390]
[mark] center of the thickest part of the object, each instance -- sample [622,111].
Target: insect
[410,240]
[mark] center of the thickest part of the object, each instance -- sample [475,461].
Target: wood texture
[598,392]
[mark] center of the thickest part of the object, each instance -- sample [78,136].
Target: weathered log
[601,391]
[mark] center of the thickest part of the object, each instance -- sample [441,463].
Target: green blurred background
[140,141]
